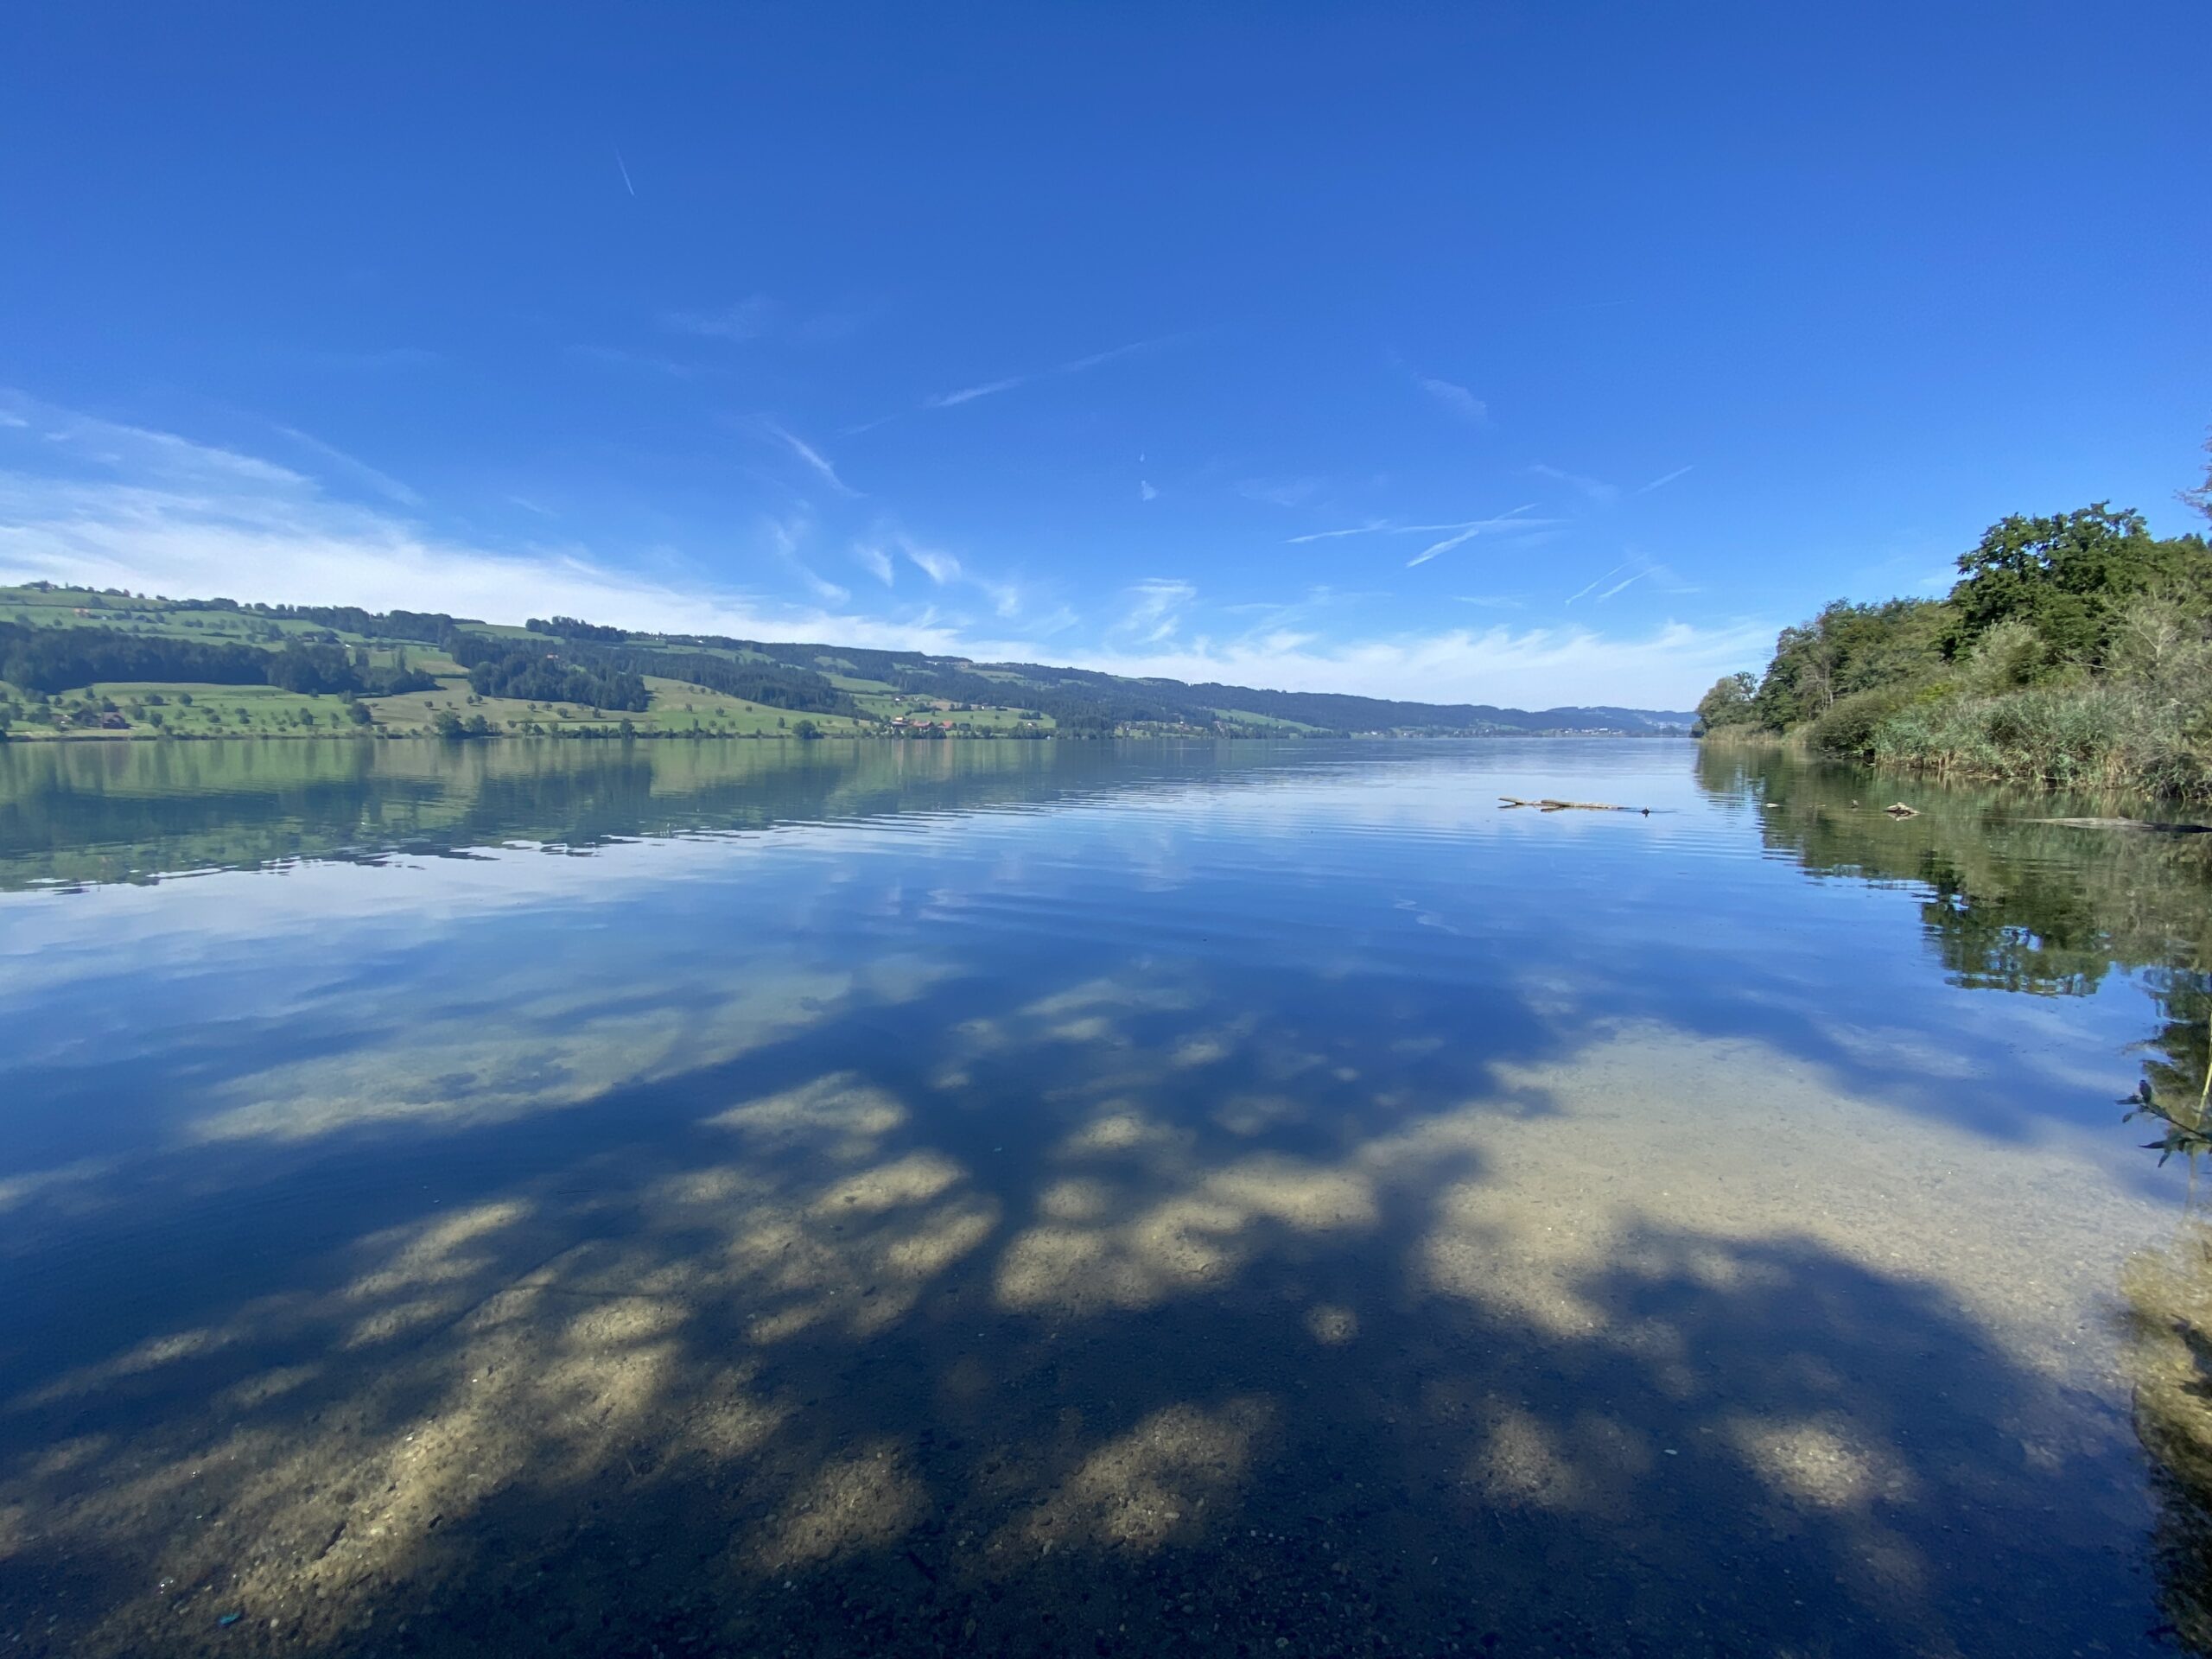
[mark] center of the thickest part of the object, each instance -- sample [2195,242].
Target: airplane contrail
[1609,575]
[619,162]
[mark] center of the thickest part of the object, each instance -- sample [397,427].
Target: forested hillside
[78,662]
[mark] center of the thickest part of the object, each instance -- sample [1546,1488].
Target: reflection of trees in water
[2013,903]
[2051,910]
[2177,1086]
[2170,1363]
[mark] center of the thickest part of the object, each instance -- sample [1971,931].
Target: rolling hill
[81,663]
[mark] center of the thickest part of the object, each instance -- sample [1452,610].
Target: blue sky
[1522,353]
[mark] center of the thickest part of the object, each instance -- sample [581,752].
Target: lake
[1089,1198]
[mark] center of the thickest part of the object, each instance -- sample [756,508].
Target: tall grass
[2144,723]
[2099,736]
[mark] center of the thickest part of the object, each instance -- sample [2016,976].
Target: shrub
[1850,726]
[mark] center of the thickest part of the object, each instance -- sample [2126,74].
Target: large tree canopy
[1849,648]
[2067,575]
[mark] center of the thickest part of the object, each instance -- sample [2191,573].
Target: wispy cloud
[1492,601]
[982,389]
[1372,527]
[1455,399]
[111,449]
[945,569]
[1531,668]
[939,567]
[969,394]
[1595,582]
[623,168]
[1077,365]
[1444,546]
[1637,568]
[108,505]
[759,317]
[814,458]
[614,357]
[1059,620]
[1145,492]
[1624,582]
[875,562]
[1594,489]
[1512,520]
[1294,619]
[1282,492]
[785,536]
[381,483]
[1664,480]
[1156,607]
[749,319]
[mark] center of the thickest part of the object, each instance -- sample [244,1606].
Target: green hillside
[112,666]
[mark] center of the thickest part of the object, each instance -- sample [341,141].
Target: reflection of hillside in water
[92,812]
[2014,903]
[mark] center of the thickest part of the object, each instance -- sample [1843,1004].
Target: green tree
[2067,575]
[1848,649]
[1729,703]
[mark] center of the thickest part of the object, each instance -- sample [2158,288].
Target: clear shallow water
[1075,1198]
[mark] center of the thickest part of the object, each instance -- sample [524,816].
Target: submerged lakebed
[1085,1198]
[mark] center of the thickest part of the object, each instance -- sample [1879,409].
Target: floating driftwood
[1507,801]
[1899,810]
[2150,825]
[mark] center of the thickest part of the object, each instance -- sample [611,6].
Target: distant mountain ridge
[1322,710]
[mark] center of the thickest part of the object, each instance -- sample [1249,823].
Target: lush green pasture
[677,706]
[182,710]
[1246,717]
[892,705]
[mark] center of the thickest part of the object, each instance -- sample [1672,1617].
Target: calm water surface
[1086,1199]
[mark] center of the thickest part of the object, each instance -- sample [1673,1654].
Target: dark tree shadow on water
[1102,1325]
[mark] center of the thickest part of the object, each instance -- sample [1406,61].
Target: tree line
[2074,649]
[567,627]
[415,628]
[58,659]
[526,670]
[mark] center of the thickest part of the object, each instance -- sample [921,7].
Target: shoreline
[601,735]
